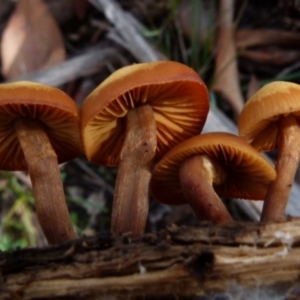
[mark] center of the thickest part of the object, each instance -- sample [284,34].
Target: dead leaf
[272,56]
[245,38]
[226,79]
[31,40]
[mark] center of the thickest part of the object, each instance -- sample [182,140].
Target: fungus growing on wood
[133,118]
[203,168]
[270,120]
[39,128]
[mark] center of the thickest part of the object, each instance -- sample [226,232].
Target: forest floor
[265,35]
[235,46]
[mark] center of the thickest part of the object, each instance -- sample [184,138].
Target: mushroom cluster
[147,120]
[134,117]
[147,111]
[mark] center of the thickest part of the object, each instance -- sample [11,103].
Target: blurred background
[235,46]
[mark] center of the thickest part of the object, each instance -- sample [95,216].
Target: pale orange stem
[196,177]
[286,167]
[50,204]
[131,201]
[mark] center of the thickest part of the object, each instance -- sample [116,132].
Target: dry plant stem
[130,206]
[196,178]
[50,204]
[286,167]
[226,69]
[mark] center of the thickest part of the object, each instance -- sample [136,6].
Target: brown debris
[245,38]
[273,56]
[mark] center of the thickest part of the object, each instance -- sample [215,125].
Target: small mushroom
[133,118]
[270,120]
[203,168]
[39,128]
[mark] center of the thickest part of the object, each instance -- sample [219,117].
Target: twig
[24,178]
[288,70]
[91,62]
[94,175]
[132,38]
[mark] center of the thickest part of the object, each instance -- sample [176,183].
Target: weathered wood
[179,262]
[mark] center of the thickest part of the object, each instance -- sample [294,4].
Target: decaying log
[177,263]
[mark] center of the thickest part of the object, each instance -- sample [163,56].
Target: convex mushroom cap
[247,172]
[269,120]
[52,107]
[178,97]
[259,119]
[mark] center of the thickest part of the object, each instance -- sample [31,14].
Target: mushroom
[203,168]
[133,118]
[39,128]
[270,120]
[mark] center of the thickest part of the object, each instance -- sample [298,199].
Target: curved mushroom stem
[50,204]
[286,167]
[131,201]
[197,175]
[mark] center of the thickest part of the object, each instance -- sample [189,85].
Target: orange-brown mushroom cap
[258,119]
[52,107]
[178,97]
[248,172]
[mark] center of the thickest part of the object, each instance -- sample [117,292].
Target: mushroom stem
[197,175]
[50,204]
[286,167]
[130,205]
